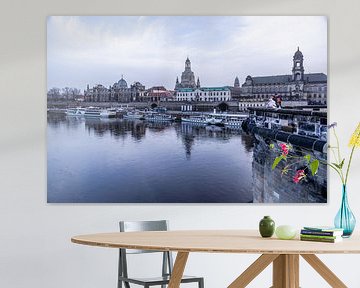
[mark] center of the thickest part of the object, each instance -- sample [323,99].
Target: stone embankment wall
[271,186]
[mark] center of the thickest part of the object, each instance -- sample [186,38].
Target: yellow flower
[355,138]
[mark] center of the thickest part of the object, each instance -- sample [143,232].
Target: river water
[132,161]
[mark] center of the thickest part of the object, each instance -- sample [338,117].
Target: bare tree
[66,93]
[54,93]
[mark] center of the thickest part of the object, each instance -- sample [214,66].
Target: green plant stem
[333,152]
[336,169]
[348,166]
[340,171]
[338,145]
[292,164]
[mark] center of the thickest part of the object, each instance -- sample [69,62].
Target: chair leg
[201,283]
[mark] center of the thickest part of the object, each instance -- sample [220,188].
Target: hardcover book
[322,232]
[314,239]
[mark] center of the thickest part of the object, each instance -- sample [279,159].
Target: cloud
[152,50]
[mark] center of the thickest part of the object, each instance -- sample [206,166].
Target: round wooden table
[284,254]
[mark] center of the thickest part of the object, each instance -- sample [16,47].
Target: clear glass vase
[345,219]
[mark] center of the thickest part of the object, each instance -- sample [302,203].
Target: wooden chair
[167,262]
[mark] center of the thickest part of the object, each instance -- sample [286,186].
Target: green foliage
[314,166]
[285,170]
[277,161]
[339,166]
[307,158]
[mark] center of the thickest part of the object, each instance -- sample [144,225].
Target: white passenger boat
[234,120]
[111,112]
[134,115]
[197,119]
[99,113]
[215,119]
[158,117]
[78,111]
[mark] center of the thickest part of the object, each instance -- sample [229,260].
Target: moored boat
[134,115]
[111,112]
[234,120]
[99,113]
[215,119]
[78,111]
[158,117]
[197,119]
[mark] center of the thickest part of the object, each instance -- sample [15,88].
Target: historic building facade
[157,94]
[189,90]
[187,78]
[298,86]
[206,94]
[98,93]
[236,89]
[119,92]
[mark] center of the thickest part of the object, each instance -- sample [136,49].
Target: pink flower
[299,175]
[284,149]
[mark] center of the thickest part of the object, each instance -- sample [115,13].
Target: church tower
[187,64]
[177,83]
[298,66]
[236,83]
[187,77]
[198,83]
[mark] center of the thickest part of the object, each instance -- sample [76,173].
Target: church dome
[298,54]
[121,83]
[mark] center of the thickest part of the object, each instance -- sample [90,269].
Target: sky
[92,50]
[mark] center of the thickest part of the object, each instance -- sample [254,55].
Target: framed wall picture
[186,109]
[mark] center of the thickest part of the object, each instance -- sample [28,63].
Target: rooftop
[282,79]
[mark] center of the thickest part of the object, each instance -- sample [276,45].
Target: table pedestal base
[286,271]
[178,270]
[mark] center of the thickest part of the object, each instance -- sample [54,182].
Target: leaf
[285,170]
[314,167]
[336,165]
[339,166]
[276,161]
[307,158]
[342,163]
[272,146]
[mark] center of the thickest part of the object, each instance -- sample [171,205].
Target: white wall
[35,248]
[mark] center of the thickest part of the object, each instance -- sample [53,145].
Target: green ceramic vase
[267,227]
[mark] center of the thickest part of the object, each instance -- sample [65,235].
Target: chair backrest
[137,226]
[133,226]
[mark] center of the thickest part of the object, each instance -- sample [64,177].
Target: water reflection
[122,128]
[120,160]
[132,161]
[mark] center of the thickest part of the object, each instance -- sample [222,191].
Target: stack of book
[321,234]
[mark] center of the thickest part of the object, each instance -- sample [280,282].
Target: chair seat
[158,280]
